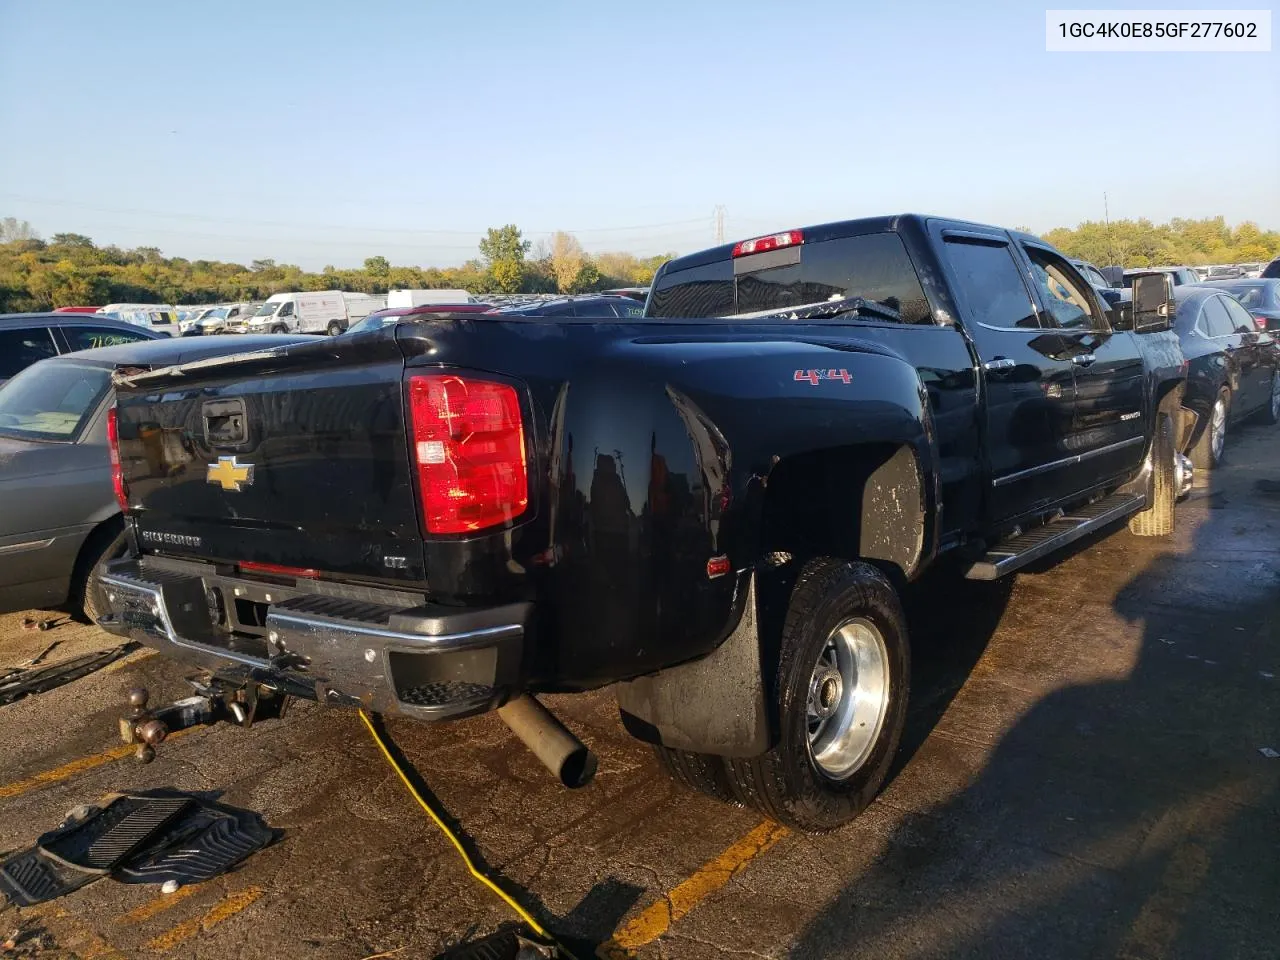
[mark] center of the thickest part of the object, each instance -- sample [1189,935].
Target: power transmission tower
[718,213]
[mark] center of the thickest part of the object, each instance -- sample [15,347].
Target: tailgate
[300,461]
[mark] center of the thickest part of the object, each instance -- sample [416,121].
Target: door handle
[999,363]
[1083,359]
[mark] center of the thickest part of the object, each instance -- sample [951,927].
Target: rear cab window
[874,266]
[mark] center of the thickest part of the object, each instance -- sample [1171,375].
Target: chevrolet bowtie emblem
[230,475]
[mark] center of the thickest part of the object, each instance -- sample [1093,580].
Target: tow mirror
[1153,304]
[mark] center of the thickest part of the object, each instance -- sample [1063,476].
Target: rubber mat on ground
[150,837]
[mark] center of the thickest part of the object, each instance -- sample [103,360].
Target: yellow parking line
[655,920]
[160,904]
[67,770]
[226,908]
[136,657]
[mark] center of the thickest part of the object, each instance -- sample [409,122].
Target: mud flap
[714,705]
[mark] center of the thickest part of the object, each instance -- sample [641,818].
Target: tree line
[69,269]
[1189,243]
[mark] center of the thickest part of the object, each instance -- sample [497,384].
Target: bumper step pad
[148,837]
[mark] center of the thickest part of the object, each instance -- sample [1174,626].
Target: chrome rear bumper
[425,661]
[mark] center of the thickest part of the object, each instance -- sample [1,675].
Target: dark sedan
[59,516]
[393,315]
[601,307]
[26,338]
[1260,297]
[1233,372]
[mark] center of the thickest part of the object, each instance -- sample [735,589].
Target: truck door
[1025,370]
[1109,431]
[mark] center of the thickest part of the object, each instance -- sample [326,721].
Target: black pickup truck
[713,507]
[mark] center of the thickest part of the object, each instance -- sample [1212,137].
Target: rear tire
[334,328]
[1207,452]
[1158,519]
[838,730]
[696,771]
[88,600]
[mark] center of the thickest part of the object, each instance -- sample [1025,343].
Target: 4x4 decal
[816,376]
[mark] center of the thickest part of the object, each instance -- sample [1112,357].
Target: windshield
[872,266]
[214,313]
[51,400]
[268,309]
[373,322]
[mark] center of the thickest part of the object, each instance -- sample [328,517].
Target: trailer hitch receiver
[213,700]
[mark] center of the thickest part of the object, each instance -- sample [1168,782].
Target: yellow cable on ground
[521,912]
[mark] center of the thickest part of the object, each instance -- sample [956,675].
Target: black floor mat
[22,682]
[146,837]
[507,944]
[198,847]
[106,839]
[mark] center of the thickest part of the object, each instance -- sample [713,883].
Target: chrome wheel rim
[848,698]
[1218,426]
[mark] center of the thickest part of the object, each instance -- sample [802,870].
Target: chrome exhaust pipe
[1183,474]
[560,751]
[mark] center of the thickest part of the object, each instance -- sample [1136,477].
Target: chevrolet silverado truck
[713,508]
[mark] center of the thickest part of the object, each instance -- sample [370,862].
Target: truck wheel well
[863,502]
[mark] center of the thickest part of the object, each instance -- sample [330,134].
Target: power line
[169,215]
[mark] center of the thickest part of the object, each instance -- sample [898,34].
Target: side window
[89,338]
[19,349]
[1250,296]
[1240,317]
[587,308]
[1063,293]
[560,310]
[286,310]
[991,284]
[1216,318]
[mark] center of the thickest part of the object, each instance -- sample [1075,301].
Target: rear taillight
[117,470]
[775,241]
[469,453]
[1261,322]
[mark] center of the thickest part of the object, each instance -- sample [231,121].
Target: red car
[75,310]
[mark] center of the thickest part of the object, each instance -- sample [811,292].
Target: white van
[327,311]
[417,298]
[160,317]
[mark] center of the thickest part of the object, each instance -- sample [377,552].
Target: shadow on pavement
[1120,806]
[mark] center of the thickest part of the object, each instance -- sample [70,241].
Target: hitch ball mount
[215,700]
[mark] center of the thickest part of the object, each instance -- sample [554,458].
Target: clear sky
[327,131]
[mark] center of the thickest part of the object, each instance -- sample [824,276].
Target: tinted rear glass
[21,348]
[1216,319]
[51,401]
[874,266]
